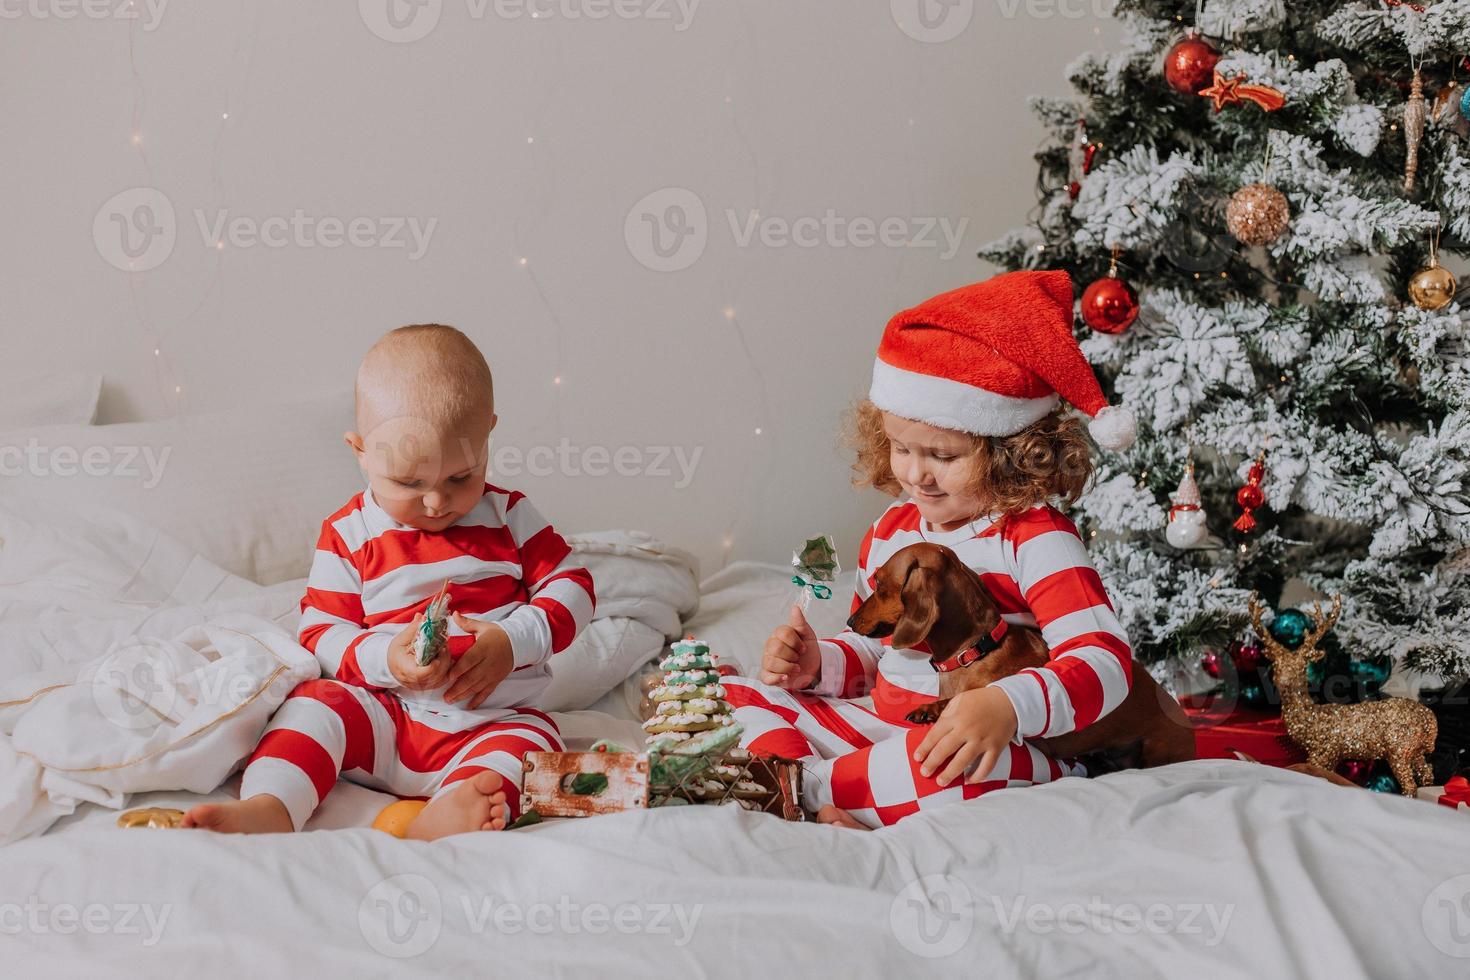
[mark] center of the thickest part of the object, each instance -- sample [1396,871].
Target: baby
[454,730]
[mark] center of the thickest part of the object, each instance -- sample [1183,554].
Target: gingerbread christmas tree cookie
[691,698]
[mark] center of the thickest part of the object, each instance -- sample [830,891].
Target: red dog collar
[976,652]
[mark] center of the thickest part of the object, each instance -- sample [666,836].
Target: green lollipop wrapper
[816,567]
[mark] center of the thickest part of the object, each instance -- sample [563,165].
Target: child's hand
[792,658]
[404,666]
[976,724]
[481,668]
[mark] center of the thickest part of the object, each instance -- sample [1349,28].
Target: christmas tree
[1273,189]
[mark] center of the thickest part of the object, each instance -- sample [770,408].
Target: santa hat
[991,359]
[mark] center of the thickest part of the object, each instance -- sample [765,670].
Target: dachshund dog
[925,593]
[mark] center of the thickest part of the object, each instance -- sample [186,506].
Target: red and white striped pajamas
[371,575]
[1036,568]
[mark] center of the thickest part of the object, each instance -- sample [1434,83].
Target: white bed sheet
[1209,869]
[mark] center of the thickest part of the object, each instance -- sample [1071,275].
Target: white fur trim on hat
[953,404]
[1113,427]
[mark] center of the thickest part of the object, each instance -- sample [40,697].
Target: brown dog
[925,593]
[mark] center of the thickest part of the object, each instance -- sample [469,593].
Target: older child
[455,730]
[963,417]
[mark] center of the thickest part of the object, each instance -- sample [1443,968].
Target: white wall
[525,138]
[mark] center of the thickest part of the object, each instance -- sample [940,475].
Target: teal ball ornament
[1290,627]
[1383,783]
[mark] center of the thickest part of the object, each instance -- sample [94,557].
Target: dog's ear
[920,607]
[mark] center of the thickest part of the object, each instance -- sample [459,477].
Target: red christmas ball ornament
[1247,657]
[1356,769]
[1110,305]
[1189,67]
[1211,662]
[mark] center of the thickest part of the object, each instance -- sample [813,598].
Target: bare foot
[839,818]
[478,803]
[263,814]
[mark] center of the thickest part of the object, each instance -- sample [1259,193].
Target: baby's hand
[976,724]
[480,669]
[792,658]
[404,666]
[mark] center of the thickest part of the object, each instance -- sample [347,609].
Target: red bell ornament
[1251,497]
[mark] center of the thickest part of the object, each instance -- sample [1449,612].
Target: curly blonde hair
[1049,460]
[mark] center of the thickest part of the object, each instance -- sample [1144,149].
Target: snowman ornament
[1186,517]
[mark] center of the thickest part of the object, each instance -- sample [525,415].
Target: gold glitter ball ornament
[1257,214]
[1433,287]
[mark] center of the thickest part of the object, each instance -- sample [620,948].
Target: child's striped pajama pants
[327,728]
[862,763]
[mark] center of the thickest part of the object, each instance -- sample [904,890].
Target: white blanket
[129,664]
[1207,869]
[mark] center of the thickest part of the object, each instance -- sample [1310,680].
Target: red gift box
[1454,794]
[1221,733]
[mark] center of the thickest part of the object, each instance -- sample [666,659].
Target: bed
[1209,868]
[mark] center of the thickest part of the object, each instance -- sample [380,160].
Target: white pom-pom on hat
[1113,427]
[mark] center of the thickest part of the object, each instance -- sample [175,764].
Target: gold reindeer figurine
[1396,729]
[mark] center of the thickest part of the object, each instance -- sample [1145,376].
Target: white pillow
[742,603]
[247,488]
[68,398]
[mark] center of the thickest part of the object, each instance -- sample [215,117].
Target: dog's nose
[852,622]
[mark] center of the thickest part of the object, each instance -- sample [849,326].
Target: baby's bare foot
[263,814]
[478,803]
[839,818]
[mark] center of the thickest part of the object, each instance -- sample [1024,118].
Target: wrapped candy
[432,633]
[816,567]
